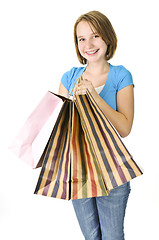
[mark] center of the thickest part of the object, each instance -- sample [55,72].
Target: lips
[92,52]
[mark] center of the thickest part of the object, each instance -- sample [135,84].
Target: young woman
[112,88]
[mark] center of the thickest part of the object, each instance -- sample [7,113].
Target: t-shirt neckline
[107,81]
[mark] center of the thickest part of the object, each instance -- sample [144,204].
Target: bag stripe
[90,174]
[109,130]
[54,158]
[74,158]
[51,161]
[120,171]
[86,115]
[78,176]
[86,123]
[97,185]
[53,134]
[118,153]
[126,173]
[98,179]
[122,176]
[85,156]
[80,145]
[61,189]
[59,171]
[102,188]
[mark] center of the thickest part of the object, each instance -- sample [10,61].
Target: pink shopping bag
[32,139]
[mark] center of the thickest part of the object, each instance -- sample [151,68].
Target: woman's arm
[62,90]
[122,119]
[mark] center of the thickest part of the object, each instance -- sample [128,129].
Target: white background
[36,48]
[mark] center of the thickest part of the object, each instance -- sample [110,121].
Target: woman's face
[91,46]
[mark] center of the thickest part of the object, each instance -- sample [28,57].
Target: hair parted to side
[104,28]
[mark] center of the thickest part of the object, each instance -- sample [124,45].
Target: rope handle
[74,87]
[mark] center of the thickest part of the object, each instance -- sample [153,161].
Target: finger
[85,80]
[81,83]
[81,87]
[80,91]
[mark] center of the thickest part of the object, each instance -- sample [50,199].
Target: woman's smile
[93,52]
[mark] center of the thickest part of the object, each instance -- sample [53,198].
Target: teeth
[92,52]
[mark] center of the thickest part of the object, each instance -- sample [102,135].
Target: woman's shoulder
[71,75]
[121,76]
[120,70]
[74,71]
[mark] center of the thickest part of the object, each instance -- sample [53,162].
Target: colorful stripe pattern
[114,160]
[54,177]
[85,156]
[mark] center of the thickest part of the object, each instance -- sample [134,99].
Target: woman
[112,88]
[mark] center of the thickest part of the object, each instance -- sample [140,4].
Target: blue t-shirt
[118,78]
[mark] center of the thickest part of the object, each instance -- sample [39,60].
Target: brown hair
[104,28]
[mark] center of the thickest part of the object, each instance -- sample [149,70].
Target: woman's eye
[81,39]
[95,36]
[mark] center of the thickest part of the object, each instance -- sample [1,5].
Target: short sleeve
[125,79]
[65,79]
[69,77]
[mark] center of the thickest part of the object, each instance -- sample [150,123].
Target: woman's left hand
[83,86]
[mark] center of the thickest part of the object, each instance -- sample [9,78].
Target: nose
[88,44]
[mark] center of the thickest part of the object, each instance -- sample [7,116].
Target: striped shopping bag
[85,156]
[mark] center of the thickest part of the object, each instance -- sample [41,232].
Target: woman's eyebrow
[79,36]
[90,34]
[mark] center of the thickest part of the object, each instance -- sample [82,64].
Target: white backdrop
[36,48]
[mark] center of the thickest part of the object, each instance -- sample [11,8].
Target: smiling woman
[100,26]
[112,89]
[91,46]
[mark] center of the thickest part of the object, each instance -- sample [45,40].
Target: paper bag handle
[76,82]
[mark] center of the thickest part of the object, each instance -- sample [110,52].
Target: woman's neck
[97,68]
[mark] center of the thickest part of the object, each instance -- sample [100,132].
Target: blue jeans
[103,217]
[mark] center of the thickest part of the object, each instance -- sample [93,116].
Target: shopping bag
[116,163]
[31,142]
[85,156]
